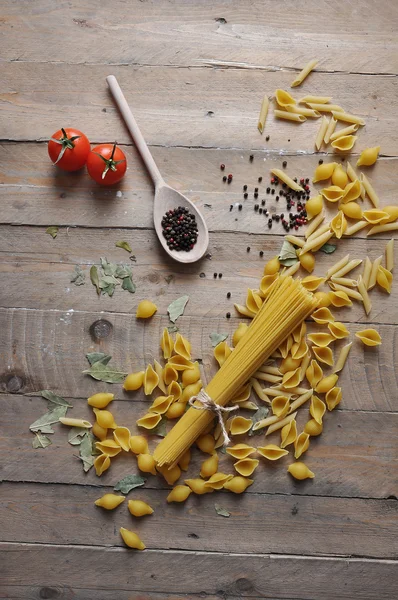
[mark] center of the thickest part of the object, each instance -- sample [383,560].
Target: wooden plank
[66,514]
[356,456]
[46,350]
[198,573]
[17,592]
[36,193]
[259,33]
[185,107]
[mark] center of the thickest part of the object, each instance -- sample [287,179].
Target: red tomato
[106,164]
[68,149]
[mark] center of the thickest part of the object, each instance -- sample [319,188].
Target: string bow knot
[208,403]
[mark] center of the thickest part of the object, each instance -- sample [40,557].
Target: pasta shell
[272,452]
[109,447]
[283,98]
[174,389]
[217,481]
[240,425]
[322,298]
[161,404]
[131,539]
[100,400]
[352,210]
[205,443]
[190,376]
[301,444]
[299,333]
[166,344]
[314,206]
[307,261]
[176,410]
[311,282]
[339,299]
[344,143]
[291,379]
[179,363]
[104,418]
[170,475]
[317,409]
[179,494]
[253,301]
[333,193]
[182,347]
[149,421]
[198,486]
[299,350]
[368,157]
[246,466]
[285,347]
[324,171]
[122,437]
[138,444]
[300,471]
[314,374]
[240,451]
[99,432]
[184,461]
[159,371]
[272,266]
[313,428]
[239,333]
[288,433]
[369,337]
[326,384]
[339,177]
[209,466]
[338,224]
[267,282]
[338,330]
[109,501]
[322,316]
[333,398]
[242,394]
[384,279]
[280,406]
[101,464]
[324,355]
[352,191]
[392,211]
[138,508]
[221,352]
[376,216]
[244,311]
[289,364]
[238,484]
[169,374]
[146,463]
[134,381]
[321,339]
[151,380]
[145,309]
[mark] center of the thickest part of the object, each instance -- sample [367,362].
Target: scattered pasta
[310,66]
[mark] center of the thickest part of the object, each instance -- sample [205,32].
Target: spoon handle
[134,130]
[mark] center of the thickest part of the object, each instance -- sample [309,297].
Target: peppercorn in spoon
[179,225]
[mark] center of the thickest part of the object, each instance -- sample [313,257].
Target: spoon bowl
[166,197]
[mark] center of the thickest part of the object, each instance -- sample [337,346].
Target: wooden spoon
[166,197]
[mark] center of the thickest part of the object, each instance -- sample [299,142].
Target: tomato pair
[70,150]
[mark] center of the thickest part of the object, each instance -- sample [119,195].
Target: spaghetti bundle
[287,305]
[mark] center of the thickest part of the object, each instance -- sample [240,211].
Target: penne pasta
[265,423]
[352,264]
[321,133]
[355,228]
[325,107]
[269,369]
[373,197]
[329,130]
[345,131]
[342,116]
[373,273]
[319,231]
[281,423]
[314,99]
[75,422]
[282,176]
[275,391]
[260,391]
[259,375]
[344,352]
[295,240]
[390,255]
[337,266]
[302,110]
[289,116]
[366,271]
[317,242]
[304,73]
[300,400]
[290,271]
[342,288]
[367,304]
[383,228]
[263,114]
[314,225]
[344,281]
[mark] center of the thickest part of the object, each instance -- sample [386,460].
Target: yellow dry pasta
[369,337]
[170,475]
[100,400]
[198,486]
[338,224]
[288,433]
[161,404]
[289,116]
[330,108]
[246,466]
[330,129]
[301,444]
[352,191]
[321,339]
[221,352]
[263,114]
[368,156]
[145,309]
[313,428]
[310,66]
[190,376]
[307,261]
[352,210]
[146,463]
[373,197]
[283,98]
[151,380]
[313,226]
[383,278]
[280,406]
[282,176]
[301,110]
[390,255]
[322,316]
[386,228]
[134,381]
[343,116]
[321,133]
[104,418]
[280,423]
[138,508]
[344,352]
[345,131]
[109,501]
[149,421]
[376,216]
[170,374]
[272,266]
[316,99]
[337,287]
[363,290]
[217,481]
[179,363]
[346,281]
[290,271]
[272,452]
[159,371]
[319,241]
[206,442]
[101,464]
[317,409]
[240,451]
[99,432]
[373,272]
[138,444]
[259,390]
[179,493]
[237,484]
[332,193]
[322,298]
[304,365]
[314,374]
[356,227]
[313,207]
[244,311]
[209,466]
[326,384]
[184,461]
[131,539]
[253,301]
[293,239]
[392,211]
[166,344]
[333,398]
[239,333]
[344,143]
[109,447]
[300,471]
[339,177]
[338,330]
[324,171]
[349,266]
[240,425]
[321,230]
[182,346]
[324,355]
[353,176]
[122,436]
[70,422]
[289,364]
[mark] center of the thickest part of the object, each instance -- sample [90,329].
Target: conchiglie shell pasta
[221,352]
[376,216]
[288,433]
[145,309]
[206,442]
[179,494]
[338,224]
[301,444]
[109,501]
[176,410]
[238,484]
[161,404]
[146,463]
[100,400]
[333,193]
[339,299]
[179,363]
[333,397]
[323,299]
[131,539]
[198,486]
[352,210]
[322,316]
[324,171]
[326,384]
[314,374]
[368,157]
[299,333]
[240,425]
[314,206]
[159,371]
[324,355]
[138,508]
[300,471]
[272,266]
[299,349]
[190,391]
[239,333]
[307,261]
[311,282]
[170,475]
[392,211]
[283,98]
[291,379]
[99,432]
[369,337]
[384,279]
[122,437]
[209,466]
[174,389]
[339,177]
[133,381]
[243,394]
[166,344]
[280,406]
[246,466]
[344,143]
[352,191]
[217,481]
[313,428]
[266,283]
[149,421]
[321,339]
[184,461]
[191,376]
[138,444]
[104,418]
[169,374]
[182,347]
[338,330]
[240,451]
[289,364]
[253,301]
[151,380]
[101,464]
[272,452]
[317,409]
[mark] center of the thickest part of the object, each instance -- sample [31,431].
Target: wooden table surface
[194,73]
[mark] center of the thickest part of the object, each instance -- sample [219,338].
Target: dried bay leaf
[287,256]
[54,399]
[86,451]
[328,248]
[217,338]
[78,277]
[52,416]
[102,371]
[172,329]
[41,441]
[53,231]
[222,511]
[128,483]
[123,271]
[94,357]
[160,429]
[75,435]
[128,285]
[94,276]
[125,245]
[109,268]
[260,414]
[177,307]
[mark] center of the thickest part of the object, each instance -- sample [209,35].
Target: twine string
[207,403]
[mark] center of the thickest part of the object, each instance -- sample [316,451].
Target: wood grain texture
[34,192]
[64,514]
[356,455]
[185,107]
[263,33]
[198,573]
